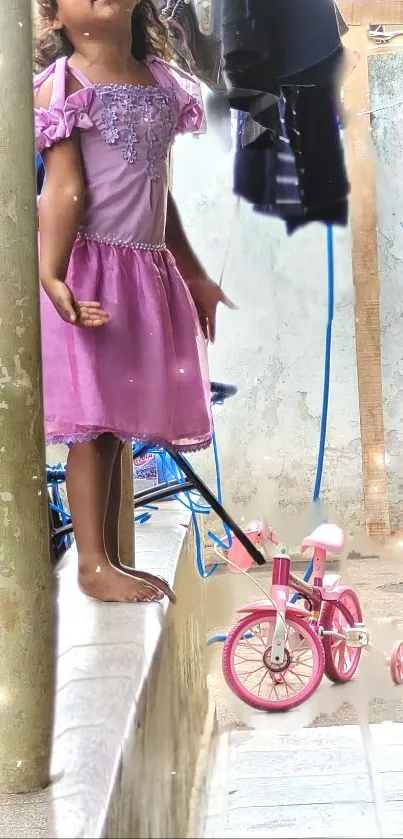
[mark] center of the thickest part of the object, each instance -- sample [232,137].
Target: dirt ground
[377,577]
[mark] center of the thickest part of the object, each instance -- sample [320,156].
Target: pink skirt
[144,376]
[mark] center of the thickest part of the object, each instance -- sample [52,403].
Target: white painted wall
[273,347]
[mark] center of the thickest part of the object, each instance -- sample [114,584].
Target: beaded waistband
[120,243]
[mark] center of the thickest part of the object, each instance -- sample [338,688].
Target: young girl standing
[123,335]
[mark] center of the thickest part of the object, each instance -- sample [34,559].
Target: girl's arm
[60,211]
[179,245]
[205,293]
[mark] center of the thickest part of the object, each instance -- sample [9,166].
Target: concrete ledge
[131,705]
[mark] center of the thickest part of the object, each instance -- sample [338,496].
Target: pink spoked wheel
[396,663]
[341,661]
[251,675]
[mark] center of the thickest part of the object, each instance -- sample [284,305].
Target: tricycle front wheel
[251,675]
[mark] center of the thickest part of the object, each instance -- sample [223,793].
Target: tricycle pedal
[356,636]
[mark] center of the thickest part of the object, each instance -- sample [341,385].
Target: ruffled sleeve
[187,93]
[58,121]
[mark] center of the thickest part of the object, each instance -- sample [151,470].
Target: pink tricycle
[274,658]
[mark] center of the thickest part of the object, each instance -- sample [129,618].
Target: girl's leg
[111,531]
[89,471]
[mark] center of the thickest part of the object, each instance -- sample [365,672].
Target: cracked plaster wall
[273,347]
[386,74]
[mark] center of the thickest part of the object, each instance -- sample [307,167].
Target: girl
[124,356]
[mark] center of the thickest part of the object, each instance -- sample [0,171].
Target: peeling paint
[23,377]
[11,209]
[6,497]
[5,377]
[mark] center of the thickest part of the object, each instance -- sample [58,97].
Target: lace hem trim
[110,240]
[66,440]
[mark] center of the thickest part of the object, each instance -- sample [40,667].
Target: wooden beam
[356,12]
[366,286]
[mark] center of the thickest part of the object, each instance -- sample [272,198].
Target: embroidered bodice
[126,132]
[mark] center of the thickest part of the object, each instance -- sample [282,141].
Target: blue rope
[195,508]
[171,469]
[219,639]
[191,501]
[228,543]
[326,382]
[326,385]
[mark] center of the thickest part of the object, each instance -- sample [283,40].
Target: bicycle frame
[283,580]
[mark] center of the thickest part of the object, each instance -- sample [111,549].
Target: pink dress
[143,376]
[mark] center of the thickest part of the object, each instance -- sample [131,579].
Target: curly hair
[149,34]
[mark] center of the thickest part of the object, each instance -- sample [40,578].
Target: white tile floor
[323,782]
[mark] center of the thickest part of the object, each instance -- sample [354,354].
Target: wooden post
[26,590]
[356,12]
[126,522]
[366,285]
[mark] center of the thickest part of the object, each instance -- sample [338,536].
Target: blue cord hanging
[326,384]
[195,507]
[228,543]
[191,501]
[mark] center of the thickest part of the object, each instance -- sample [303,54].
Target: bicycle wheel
[251,675]
[341,661]
[396,663]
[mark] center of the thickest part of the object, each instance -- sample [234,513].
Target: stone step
[216,816]
[333,781]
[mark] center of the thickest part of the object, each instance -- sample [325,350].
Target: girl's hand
[207,295]
[86,313]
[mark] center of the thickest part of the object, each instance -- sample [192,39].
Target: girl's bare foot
[104,582]
[111,532]
[159,582]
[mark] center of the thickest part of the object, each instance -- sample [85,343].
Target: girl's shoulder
[186,90]
[57,76]
[45,79]
[61,105]
[172,74]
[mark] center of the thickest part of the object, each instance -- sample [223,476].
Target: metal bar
[215,505]
[126,517]
[161,493]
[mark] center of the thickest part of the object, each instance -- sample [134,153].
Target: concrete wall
[273,347]
[155,793]
[386,74]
